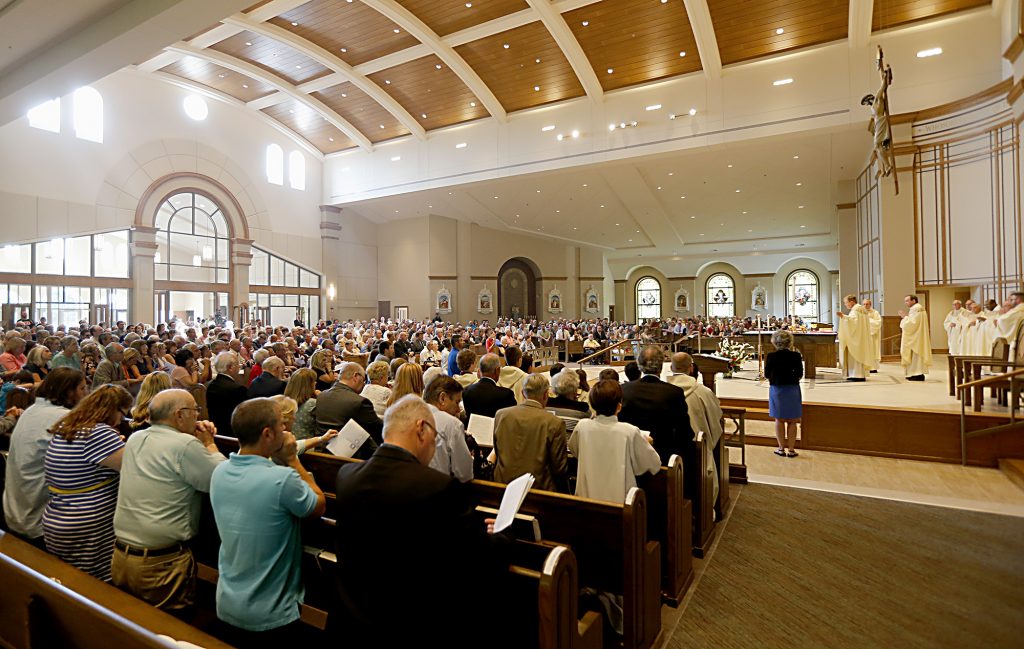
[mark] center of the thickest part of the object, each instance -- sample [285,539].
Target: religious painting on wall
[590,299]
[682,301]
[484,301]
[554,301]
[444,301]
[759,298]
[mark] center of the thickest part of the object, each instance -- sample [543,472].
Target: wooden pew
[46,603]
[544,576]
[544,358]
[602,535]
[669,522]
[363,358]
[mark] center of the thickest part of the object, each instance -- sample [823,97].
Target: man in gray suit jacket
[342,402]
[529,439]
[110,370]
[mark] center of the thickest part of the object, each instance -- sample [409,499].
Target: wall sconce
[331,292]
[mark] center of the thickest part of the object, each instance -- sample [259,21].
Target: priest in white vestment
[855,353]
[1007,325]
[970,332]
[952,326]
[916,342]
[876,333]
[704,410]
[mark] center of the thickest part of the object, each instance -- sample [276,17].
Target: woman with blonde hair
[38,359]
[377,389]
[408,380]
[321,363]
[152,385]
[130,364]
[302,388]
[83,464]
[288,410]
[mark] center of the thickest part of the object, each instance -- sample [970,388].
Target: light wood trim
[591,279]
[1013,52]
[1000,89]
[289,290]
[484,278]
[325,136]
[363,111]
[448,17]
[553,279]
[422,88]
[746,30]
[681,279]
[1016,91]
[895,13]
[846,206]
[439,278]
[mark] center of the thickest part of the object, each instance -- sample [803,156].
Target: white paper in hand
[349,439]
[512,500]
[482,429]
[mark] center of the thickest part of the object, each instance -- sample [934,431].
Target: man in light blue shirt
[258,506]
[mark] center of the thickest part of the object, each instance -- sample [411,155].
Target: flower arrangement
[736,352]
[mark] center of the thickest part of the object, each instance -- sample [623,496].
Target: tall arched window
[721,292]
[88,113]
[648,299]
[192,240]
[275,165]
[802,294]
[297,170]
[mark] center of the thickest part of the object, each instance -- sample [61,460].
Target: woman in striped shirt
[83,463]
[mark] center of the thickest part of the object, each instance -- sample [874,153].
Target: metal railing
[1016,383]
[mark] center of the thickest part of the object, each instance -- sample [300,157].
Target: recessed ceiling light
[331,139]
[396,211]
[550,127]
[935,51]
[248,43]
[799,184]
[423,115]
[796,157]
[803,226]
[611,70]
[292,111]
[664,1]
[780,31]
[611,127]
[659,188]
[560,137]
[382,126]
[505,45]
[460,145]
[671,173]
[558,211]
[430,207]
[693,217]
[472,104]
[469,5]
[396,30]
[616,224]
[298,67]
[437,66]
[575,133]
[344,94]
[693,111]
[584,184]
[495,198]
[600,205]
[220,76]
[702,234]
[245,85]
[744,212]
[782,82]
[638,231]
[654,107]
[396,158]
[536,88]
[681,54]
[737,191]
[730,166]
[344,49]
[800,207]
[682,197]
[574,227]
[630,241]
[295,24]
[749,230]
[586,22]
[538,191]
[536,60]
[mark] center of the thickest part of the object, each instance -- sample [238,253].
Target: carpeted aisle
[799,568]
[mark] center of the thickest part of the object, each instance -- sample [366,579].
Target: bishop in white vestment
[856,355]
[916,342]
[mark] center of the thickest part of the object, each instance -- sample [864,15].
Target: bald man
[704,408]
[164,469]
[411,529]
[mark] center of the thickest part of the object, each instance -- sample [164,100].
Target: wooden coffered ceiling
[347,73]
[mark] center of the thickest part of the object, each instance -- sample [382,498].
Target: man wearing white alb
[876,333]
[856,355]
[1008,324]
[611,453]
[916,342]
[704,408]
[952,326]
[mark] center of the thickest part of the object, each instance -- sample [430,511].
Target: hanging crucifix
[880,123]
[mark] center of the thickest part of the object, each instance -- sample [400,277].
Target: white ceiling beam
[566,40]
[410,23]
[859,29]
[250,70]
[199,88]
[704,34]
[336,65]
[100,45]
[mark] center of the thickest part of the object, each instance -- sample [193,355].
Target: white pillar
[143,252]
[241,260]
[330,237]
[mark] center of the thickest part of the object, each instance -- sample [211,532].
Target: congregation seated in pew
[529,439]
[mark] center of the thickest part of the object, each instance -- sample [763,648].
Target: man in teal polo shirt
[258,505]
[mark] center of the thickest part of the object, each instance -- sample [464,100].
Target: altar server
[855,353]
[1008,324]
[916,342]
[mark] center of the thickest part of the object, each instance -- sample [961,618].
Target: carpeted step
[1014,470]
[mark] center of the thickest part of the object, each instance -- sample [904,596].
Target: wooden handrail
[605,350]
[990,380]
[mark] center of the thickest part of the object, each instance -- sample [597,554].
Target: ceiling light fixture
[611,70]
[796,157]
[505,45]
[245,85]
[423,115]
[782,82]
[469,5]
[536,88]
[550,127]
[682,54]
[799,184]
[536,60]
[586,22]
[737,191]
[472,104]
[331,139]
[935,51]
[460,145]
[560,137]
[396,158]
[653,107]
[780,31]
[437,66]
[396,30]
[575,134]
[295,24]
[248,43]
[344,50]
[382,127]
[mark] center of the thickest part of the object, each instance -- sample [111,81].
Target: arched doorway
[517,288]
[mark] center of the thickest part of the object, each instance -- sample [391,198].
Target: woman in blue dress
[83,464]
[784,368]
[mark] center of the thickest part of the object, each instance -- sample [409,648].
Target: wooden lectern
[709,365]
